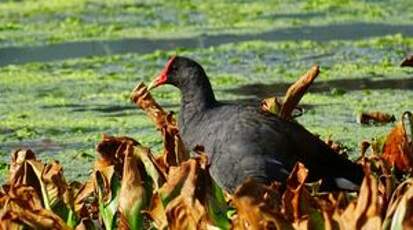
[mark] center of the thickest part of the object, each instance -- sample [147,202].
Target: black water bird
[241,141]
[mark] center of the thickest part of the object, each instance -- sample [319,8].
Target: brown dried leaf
[143,99]
[303,210]
[292,197]
[398,149]
[386,181]
[271,105]
[258,207]
[47,180]
[184,211]
[124,158]
[22,205]
[111,150]
[79,199]
[402,196]
[157,212]
[105,175]
[21,172]
[375,117]
[54,182]
[188,199]
[134,196]
[18,158]
[365,212]
[297,91]
[174,150]
[407,61]
[152,168]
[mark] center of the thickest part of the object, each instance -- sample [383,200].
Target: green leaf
[108,208]
[150,168]
[71,220]
[136,188]
[217,207]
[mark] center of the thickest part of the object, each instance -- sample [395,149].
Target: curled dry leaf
[300,207]
[292,198]
[134,192]
[184,209]
[22,205]
[273,106]
[18,158]
[46,179]
[407,61]
[48,182]
[258,206]
[156,212]
[111,151]
[144,100]
[110,164]
[297,91]
[174,150]
[363,213]
[23,172]
[81,199]
[54,183]
[375,117]
[400,212]
[187,200]
[108,173]
[398,147]
[126,175]
[386,181]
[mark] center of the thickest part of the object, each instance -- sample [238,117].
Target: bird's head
[180,72]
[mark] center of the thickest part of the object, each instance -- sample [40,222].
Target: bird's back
[242,141]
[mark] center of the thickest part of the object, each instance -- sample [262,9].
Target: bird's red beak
[162,78]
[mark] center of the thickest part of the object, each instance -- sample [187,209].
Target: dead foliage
[132,189]
[407,61]
[398,147]
[375,118]
[286,107]
[174,150]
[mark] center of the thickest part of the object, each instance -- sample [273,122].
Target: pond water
[353,31]
[59,92]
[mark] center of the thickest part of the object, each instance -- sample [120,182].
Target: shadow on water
[266,90]
[101,108]
[295,15]
[92,107]
[18,55]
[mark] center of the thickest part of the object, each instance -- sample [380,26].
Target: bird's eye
[174,68]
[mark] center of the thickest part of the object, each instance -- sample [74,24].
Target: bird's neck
[196,99]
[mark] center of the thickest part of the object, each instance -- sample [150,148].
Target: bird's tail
[338,183]
[337,172]
[341,173]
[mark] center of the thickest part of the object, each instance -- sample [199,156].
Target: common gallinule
[242,141]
